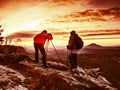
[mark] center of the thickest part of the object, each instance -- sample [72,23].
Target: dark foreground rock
[24,74]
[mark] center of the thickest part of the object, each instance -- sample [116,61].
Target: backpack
[79,42]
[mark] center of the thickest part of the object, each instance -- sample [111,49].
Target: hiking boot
[45,66]
[37,62]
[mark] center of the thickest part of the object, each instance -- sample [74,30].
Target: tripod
[53,47]
[67,62]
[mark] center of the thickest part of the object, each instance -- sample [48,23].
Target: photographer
[39,41]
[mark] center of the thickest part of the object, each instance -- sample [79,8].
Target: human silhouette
[39,41]
[73,49]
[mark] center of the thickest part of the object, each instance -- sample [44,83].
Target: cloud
[103,3]
[9,3]
[29,11]
[60,33]
[85,34]
[85,3]
[112,14]
[90,3]
[23,34]
[102,38]
[16,5]
[64,2]
[31,34]
[99,33]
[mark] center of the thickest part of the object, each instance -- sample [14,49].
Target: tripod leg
[55,50]
[46,47]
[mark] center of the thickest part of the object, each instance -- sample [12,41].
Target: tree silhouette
[1,38]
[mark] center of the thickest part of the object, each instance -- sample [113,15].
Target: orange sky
[25,18]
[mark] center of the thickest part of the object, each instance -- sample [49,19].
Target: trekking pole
[67,57]
[55,50]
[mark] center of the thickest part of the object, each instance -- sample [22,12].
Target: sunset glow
[94,23]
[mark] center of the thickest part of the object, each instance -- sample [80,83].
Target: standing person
[73,47]
[39,41]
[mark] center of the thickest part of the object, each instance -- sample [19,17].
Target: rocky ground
[18,71]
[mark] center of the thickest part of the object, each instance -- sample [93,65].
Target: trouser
[42,50]
[73,60]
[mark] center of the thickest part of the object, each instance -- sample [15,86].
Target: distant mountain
[97,49]
[94,46]
[92,49]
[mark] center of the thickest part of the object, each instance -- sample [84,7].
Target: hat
[72,32]
[44,31]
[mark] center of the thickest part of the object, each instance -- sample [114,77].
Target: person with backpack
[74,44]
[39,41]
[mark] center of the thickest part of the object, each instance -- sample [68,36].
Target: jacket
[41,38]
[72,44]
